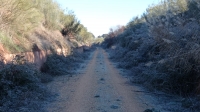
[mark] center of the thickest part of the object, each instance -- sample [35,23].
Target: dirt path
[97,88]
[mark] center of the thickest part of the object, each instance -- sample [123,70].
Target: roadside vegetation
[36,25]
[21,89]
[24,23]
[23,86]
[57,65]
[161,49]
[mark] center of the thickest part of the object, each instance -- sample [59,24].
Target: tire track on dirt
[97,88]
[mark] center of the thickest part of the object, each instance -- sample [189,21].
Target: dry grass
[166,58]
[46,39]
[41,20]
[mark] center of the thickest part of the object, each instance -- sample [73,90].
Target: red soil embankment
[36,57]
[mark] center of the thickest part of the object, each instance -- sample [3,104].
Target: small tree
[71,29]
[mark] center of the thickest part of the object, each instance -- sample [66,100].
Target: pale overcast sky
[100,15]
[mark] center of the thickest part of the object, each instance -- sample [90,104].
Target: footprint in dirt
[102,110]
[102,79]
[114,107]
[97,96]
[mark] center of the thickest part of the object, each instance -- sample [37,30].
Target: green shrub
[18,13]
[51,11]
[9,45]
[32,15]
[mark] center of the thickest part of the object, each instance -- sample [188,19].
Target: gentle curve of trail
[98,87]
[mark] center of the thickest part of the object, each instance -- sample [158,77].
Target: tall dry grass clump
[18,16]
[18,19]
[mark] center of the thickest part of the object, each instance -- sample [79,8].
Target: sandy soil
[98,87]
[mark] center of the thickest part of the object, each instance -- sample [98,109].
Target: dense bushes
[56,65]
[21,89]
[161,48]
[176,35]
[34,25]
[38,18]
